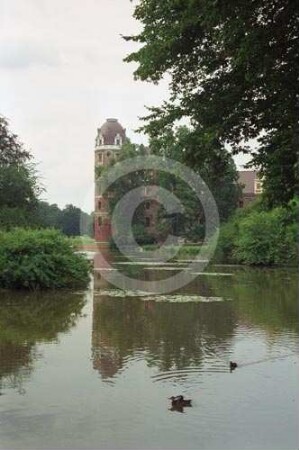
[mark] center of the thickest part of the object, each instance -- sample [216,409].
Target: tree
[218,172]
[233,70]
[11,150]
[214,164]
[48,216]
[19,188]
[70,220]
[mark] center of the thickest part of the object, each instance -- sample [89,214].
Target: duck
[233,365]
[179,401]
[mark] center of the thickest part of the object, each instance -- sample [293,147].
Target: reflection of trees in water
[179,335]
[16,362]
[28,319]
[265,297]
[173,335]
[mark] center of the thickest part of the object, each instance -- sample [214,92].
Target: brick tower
[110,138]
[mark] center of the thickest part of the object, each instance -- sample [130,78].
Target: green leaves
[19,187]
[40,259]
[11,150]
[260,237]
[233,69]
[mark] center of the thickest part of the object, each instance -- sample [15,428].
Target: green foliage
[218,171]
[40,259]
[260,237]
[19,188]
[19,193]
[11,217]
[213,163]
[233,69]
[47,216]
[11,149]
[72,221]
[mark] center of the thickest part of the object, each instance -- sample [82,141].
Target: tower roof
[110,130]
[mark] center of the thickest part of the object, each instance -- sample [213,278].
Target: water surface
[95,369]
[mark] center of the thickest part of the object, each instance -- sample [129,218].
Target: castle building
[251,186]
[109,140]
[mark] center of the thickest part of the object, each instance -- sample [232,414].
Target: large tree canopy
[233,68]
[218,171]
[19,188]
[215,165]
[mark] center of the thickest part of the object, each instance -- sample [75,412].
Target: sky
[61,75]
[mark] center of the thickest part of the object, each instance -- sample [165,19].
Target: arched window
[100,221]
[108,154]
[99,204]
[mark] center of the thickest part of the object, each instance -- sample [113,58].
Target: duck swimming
[179,401]
[233,365]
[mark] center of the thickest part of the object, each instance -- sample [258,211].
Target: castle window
[100,221]
[258,187]
[117,140]
[99,204]
[108,154]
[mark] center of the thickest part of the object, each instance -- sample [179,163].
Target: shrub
[40,259]
[266,238]
[255,236]
[226,242]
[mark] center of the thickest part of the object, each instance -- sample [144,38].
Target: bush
[260,237]
[226,242]
[265,238]
[40,259]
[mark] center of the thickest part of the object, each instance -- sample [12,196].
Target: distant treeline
[20,191]
[71,220]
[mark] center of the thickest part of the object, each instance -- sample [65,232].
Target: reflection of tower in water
[117,326]
[106,358]
[173,337]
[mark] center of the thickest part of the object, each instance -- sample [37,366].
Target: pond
[95,369]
